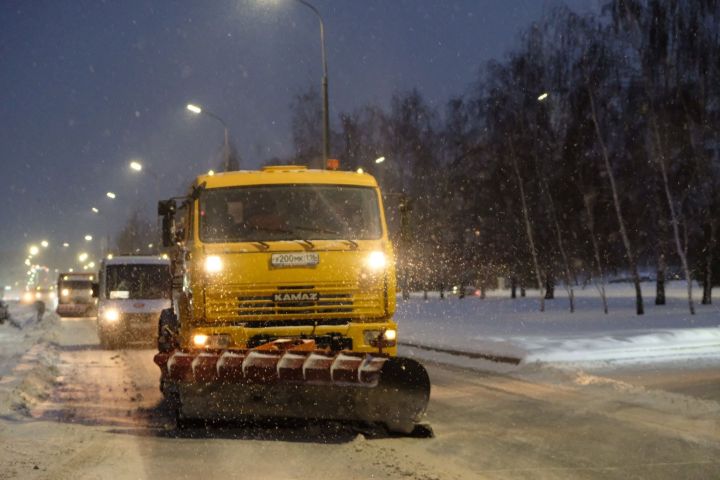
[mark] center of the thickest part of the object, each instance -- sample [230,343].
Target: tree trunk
[711,230]
[522,291]
[673,215]
[596,253]
[660,281]
[528,226]
[513,287]
[639,307]
[558,237]
[549,288]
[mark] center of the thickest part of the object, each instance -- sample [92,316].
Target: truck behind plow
[283,298]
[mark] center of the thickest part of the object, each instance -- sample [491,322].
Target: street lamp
[44,244]
[138,167]
[110,195]
[325,113]
[542,96]
[88,238]
[34,250]
[226,146]
[380,160]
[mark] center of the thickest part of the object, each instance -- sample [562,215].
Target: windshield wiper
[305,242]
[352,243]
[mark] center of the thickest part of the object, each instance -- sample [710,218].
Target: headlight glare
[111,315]
[65,292]
[376,260]
[200,339]
[213,264]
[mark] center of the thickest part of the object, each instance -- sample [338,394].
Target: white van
[131,291]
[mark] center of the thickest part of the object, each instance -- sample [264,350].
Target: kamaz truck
[283,298]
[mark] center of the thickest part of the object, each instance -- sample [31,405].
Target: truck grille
[264,302]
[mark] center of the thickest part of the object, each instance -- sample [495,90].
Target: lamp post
[325,112]
[226,146]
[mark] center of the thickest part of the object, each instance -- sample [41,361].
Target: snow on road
[514,328]
[69,409]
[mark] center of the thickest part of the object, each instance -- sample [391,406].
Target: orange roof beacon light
[333,164]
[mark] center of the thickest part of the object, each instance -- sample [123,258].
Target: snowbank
[498,326]
[27,359]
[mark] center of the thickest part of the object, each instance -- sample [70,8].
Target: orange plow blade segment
[299,382]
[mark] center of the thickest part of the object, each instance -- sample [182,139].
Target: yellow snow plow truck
[283,302]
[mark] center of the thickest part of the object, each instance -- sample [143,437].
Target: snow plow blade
[292,379]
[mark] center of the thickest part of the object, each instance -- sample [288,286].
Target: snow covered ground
[516,329]
[27,359]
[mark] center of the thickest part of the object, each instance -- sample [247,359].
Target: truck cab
[285,252]
[131,292]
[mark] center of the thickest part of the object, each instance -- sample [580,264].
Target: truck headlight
[65,292]
[200,339]
[111,315]
[213,264]
[373,337]
[376,260]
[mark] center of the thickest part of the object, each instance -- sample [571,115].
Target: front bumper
[355,336]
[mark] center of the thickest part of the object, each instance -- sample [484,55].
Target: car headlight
[65,292]
[376,260]
[213,264]
[28,297]
[111,315]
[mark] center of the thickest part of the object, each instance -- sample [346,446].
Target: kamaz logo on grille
[296,297]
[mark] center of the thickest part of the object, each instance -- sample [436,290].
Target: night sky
[87,86]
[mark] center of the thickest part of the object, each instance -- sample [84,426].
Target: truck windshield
[289,212]
[137,281]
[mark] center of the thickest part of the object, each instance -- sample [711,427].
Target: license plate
[289,260]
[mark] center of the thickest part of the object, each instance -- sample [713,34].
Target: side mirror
[95,290]
[166,209]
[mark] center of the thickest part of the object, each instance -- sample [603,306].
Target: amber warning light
[333,163]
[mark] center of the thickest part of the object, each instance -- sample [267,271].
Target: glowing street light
[66,244]
[110,195]
[44,244]
[380,160]
[543,96]
[88,238]
[82,257]
[95,210]
[138,167]
[34,250]
[226,146]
